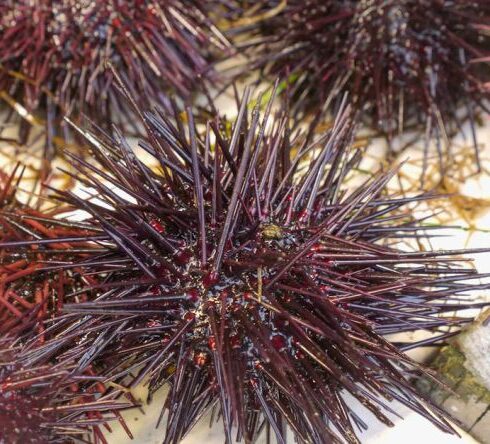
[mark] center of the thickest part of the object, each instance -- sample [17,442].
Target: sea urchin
[53,53]
[405,61]
[250,281]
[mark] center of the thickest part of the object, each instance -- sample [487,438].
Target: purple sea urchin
[53,53]
[400,59]
[31,290]
[41,404]
[250,284]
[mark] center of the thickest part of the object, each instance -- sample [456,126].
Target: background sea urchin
[53,53]
[44,403]
[248,283]
[406,61]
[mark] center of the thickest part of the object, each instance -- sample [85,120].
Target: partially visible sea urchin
[44,403]
[403,61]
[53,53]
[31,289]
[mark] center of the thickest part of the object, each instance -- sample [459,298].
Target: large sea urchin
[401,59]
[53,53]
[250,283]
